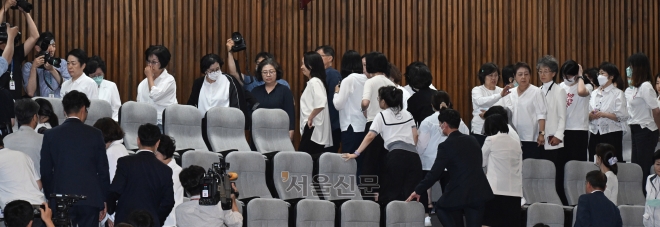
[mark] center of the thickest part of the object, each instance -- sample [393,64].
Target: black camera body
[63,203]
[216,186]
[54,61]
[23,4]
[37,211]
[4,36]
[239,42]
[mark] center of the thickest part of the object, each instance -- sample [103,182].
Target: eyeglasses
[272,72]
[212,70]
[523,75]
[152,62]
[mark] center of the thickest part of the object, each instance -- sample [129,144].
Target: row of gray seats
[553,215]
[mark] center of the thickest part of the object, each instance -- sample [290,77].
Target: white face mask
[214,75]
[570,82]
[602,80]
[442,129]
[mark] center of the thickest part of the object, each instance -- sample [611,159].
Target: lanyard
[546,93]
[11,73]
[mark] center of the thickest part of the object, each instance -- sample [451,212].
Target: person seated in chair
[594,208]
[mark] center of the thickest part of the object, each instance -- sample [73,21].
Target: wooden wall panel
[454,37]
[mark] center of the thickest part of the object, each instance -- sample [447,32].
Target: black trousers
[372,166]
[644,142]
[552,155]
[306,143]
[402,173]
[613,138]
[531,150]
[336,141]
[576,144]
[84,215]
[452,217]
[350,141]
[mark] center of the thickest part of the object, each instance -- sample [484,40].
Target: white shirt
[83,84]
[18,179]
[527,109]
[178,194]
[371,93]
[502,158]
[652,207]
[430,136]
[577,108]
[191,214]
[412,92]
[609,100]
[115,151]
[612,189]
[348,102]
[641,102]
[313,97]
[483,99]
[213,94]
[555,121]
[161,95]
[108,92]
[394,127]
[406,96]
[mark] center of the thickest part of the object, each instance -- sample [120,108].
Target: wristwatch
[542,133]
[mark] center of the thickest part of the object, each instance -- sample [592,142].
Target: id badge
[12,85]
[51,95]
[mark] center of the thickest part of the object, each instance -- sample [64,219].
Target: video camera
[23,4]
[54,61]
[63,203]
[216,186]
[239,42]
[4,36]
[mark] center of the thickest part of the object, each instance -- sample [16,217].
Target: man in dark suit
[594,209]
[142,182]
[73,161]
[468,189]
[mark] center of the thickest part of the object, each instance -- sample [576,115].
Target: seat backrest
[184,124]
[292,175]
[270,130]
[539,181]
[337,177]
[315,213]
[251,169]
[131,116]
[205,159]
[98,109]
[404,214]
[630,187]
[546,213]
[360,213]
[632,216]
[267,212]
[57,108]
[225,129]
[574,179]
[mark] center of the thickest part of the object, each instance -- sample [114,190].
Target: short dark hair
[94,63]
[606,152]
[656,155]
[508,72]
[641,69]
[124,224]
[377,63]
[597,179]
[438,98]
[613,71]
[167,146]
[550,62]
[46,109]
[18,213]
[73,101]
[81,55]
[43,36]
[141,218]
[497,110]
[190,178]
[520,65]
[269,61]
[314,63]
[149,134]
[161,52]
[570,68]
[451,117]
[351,62]
[25,109]
[418,75]
[110,129]
[540,225]
[394,73]
[486,69]
[495,124]
[392,96]
[209,60]
[593,75]
[327,50]
[265,55]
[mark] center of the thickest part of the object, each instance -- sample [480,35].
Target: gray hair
[548,61]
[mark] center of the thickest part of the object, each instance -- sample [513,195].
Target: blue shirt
[249,82]
[332,78]
[46,79]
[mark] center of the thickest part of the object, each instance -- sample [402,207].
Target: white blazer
[555,121]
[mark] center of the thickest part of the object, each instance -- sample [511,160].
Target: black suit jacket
[461,155]
[73,161]
[594,209]
[141,182]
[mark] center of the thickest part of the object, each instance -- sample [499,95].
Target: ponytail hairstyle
[393,97]
[438,98]
[46,109]
[606,153]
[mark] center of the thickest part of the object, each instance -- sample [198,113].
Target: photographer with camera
[12,80]
[191,213]
[249,82]
[20,213]
[45,74]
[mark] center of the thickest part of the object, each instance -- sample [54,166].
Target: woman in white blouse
[528,108]
[314,116]
[607,111]
[96,69]
[484,96]
[502,158]
[76,60]
[576,134]
[606,160]
[643,110]
[159,87]
[652,207]
[113,136]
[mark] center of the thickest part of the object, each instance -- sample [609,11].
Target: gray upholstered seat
[251,169]
[630,187]
[574,179]
[539,181]
[98,109]
[205,159]
[270,130]
[340,179]
[57,108]
[574,215]
[225,129]
[632,216]
[546,213]
[131,116]
[404,214]
[360,213]
[184,124]
[315,213]
[292,175]
[267,212]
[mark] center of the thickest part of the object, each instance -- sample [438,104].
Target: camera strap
[12,83]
